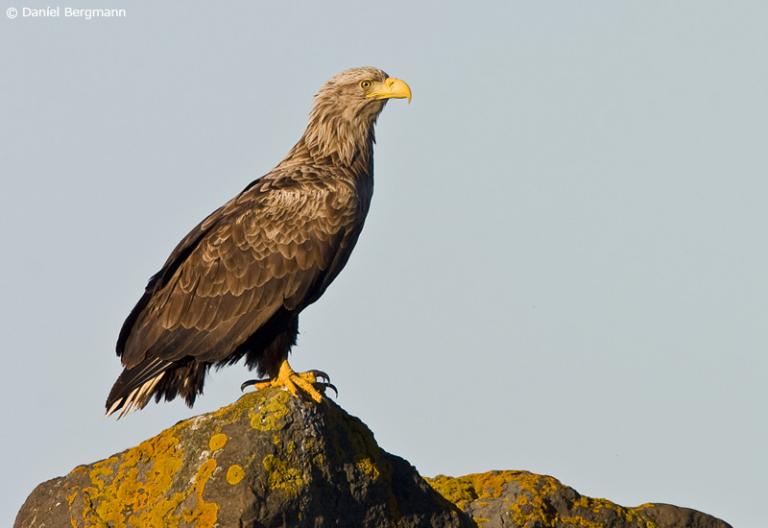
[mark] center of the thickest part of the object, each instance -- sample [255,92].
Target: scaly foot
[294,381]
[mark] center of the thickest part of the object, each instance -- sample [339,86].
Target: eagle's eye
[365,84]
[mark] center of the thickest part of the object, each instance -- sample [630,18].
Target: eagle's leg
[294,381]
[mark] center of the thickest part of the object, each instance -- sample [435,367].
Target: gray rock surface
[505,499]
[270,460]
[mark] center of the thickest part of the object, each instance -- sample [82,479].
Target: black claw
[248,383]
[330,386]
[322,376]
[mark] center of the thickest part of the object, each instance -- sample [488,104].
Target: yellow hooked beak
[390,88]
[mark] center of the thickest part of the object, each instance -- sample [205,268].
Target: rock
[270,460]
[499,499]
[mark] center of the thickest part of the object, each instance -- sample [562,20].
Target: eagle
[235,285]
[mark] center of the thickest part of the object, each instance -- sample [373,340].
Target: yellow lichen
[137,493]
[579,522]
[532,495]
[313,450]
[135,487]
[530,504]
[104,468]
[269,415]
[367,467]
[477,486]
[235,474]
[138,487]
[217,441]
[204,514]
[234,412]
[458,490]
[280,476]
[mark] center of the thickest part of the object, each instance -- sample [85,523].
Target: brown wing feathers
[234,286]
[262,252]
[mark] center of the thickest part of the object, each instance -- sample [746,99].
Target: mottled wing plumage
[274,247]
[235,285]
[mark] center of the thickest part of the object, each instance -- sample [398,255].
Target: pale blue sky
[563,270]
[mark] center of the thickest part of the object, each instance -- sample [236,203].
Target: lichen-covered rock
[269,460]
[519,499]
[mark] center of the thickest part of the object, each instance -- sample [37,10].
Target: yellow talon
[292,381]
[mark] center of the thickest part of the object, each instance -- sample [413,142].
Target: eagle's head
[346,108]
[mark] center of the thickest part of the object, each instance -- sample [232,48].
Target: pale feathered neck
[339,133]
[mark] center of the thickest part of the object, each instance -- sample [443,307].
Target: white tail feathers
[136,399]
